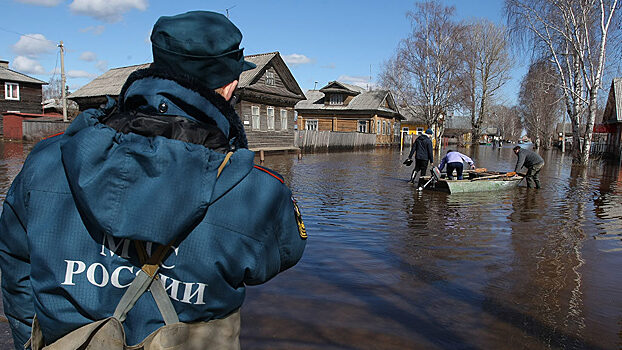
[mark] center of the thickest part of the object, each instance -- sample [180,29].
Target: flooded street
[387,267]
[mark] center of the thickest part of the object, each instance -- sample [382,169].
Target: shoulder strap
[148,273]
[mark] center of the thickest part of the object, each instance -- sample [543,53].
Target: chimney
[4,64]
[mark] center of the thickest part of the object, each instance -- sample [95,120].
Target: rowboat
[475,181]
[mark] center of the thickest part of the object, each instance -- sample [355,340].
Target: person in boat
[530,160]
[165,170]
[422,150]
[455,161]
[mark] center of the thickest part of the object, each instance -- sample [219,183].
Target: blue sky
[320,40]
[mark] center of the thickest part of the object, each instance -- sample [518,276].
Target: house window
[311,124]
[335,99]
[255,118]
[270,78]
[419,131]
[283,119]
[362,126]
[270,111]
[378,127]
[405,130]
[11,91]
[384,127]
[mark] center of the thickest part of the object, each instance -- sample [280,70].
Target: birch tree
[486,58]
[540,101]
[423,72]
[574,35]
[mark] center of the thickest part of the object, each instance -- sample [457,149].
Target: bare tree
[53,89]
[507,120]
[540,100]
[574,34]
[423,72]
[487,65]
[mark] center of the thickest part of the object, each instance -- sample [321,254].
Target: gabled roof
[364,101]
[342,88]
[263,62]
[613,109]
[109,83]
[11,75]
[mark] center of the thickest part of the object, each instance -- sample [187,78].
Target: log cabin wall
[30,97]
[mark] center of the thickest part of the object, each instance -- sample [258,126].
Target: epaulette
[270,172]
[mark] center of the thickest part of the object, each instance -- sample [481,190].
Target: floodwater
[387,267]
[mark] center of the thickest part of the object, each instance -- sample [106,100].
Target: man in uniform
[166,166]
[422,149]
[530,160]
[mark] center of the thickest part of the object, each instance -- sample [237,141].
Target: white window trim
[270,116]
[8,90]
[360,123]
[378,127]
[270,81]
[335,100]
[312,122]
[255,117]
[419,131]
[284,121]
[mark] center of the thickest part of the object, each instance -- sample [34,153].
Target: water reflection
[387,267]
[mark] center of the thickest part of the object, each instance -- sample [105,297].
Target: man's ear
[227,90]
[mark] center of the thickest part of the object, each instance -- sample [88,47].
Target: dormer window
[335,99]
[270,78]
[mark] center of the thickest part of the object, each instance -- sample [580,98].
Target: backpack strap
[148,273]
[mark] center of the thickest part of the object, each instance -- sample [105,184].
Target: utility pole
[63,80]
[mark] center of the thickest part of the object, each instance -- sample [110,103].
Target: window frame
[313,122]
[361,124]
[284,119]
[270,118]
[255,118]
[335,100]
[270,81]
[8,91]
[419,131]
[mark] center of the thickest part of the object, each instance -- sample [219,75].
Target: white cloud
[32,45]
[96,30]
[80,74]
[27,66]
[329,66]
[102,65]
[107,10]
[358,81]
[48,3]
[296,59]
[88,56]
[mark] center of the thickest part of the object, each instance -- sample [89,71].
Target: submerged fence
[311,140]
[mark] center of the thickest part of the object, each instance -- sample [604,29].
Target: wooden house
[266,94]
[457,130]
[412,124]
[20,93]
[348,108]
[612,120]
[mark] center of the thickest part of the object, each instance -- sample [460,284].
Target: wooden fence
[40,128]
[311,140]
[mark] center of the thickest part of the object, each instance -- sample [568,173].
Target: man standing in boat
[530,160]
[422,148]
[454,161]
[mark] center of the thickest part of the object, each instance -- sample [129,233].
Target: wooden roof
[109,83]
[7,74]
[364,101]
[250,78]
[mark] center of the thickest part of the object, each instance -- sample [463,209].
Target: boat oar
[510,174]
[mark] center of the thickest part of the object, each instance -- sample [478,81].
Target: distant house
[267,96]
[348,108]
[457,130]
[21,93]
[412,124]
[612,120]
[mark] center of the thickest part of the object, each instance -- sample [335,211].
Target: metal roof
[109,83]
[11,75]
[365,101]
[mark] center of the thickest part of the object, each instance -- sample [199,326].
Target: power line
[26,35]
